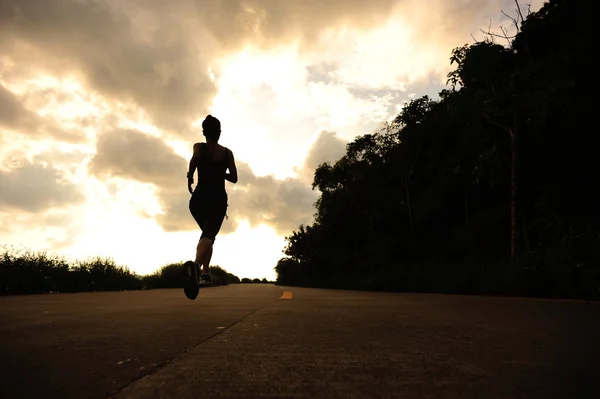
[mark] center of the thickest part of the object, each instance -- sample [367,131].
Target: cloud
[134,155]
[410,46]
[33,187]
[128,54]
[54,229]
[327,147]
[280,204]
[162,57]
[270,22]
[15,117]
[158,56]
[283,204]
[139,156]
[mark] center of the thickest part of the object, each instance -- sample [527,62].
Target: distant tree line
[489,189]
[29,272]
[247,280]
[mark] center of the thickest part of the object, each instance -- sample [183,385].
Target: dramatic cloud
[135,155]
[156,56]
[270,22]
[328,147]
[35,188]
[284,204]
[281,204]
[159,55]
[15,117]
[137,56]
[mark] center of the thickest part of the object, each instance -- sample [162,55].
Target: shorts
[209,212]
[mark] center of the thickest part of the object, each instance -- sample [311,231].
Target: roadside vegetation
[23,271]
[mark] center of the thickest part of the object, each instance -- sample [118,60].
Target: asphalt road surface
[265,341]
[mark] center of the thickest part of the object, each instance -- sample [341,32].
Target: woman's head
[211,127]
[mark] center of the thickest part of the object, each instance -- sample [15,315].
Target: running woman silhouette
[208,204]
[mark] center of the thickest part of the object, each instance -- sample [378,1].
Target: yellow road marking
[286,295]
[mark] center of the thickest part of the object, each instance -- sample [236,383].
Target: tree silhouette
[482,190]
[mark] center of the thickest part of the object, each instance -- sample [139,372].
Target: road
[250,341]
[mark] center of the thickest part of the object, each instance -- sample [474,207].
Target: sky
[101,102]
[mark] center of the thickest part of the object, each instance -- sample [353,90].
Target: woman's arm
[192,167]
[232,175]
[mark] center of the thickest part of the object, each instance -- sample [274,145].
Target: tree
[496,166]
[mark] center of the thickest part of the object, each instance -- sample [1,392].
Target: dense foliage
[484,190]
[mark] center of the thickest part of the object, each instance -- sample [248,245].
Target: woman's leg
[215,213]
[204,253]
[200,210]
[206,263]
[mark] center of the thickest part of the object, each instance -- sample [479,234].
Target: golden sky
[101,102]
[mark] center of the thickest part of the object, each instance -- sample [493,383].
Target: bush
[29,272]
[23,271]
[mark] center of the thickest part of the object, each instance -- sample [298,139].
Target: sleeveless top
[211,174]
